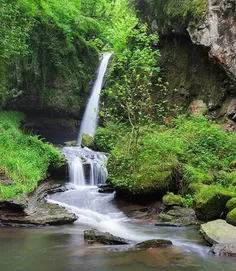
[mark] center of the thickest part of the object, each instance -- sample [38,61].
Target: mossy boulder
[210,202]
[70,143]
[231,204]
[172,200]
[231,217]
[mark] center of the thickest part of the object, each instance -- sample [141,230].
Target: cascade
[87,167]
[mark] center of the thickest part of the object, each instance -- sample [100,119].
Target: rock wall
[198,58]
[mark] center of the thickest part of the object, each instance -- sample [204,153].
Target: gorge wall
[198,52]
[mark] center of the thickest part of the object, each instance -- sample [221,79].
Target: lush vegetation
[49,49]
[176,13]
[24,158]
[185,151]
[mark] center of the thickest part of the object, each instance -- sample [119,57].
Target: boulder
[177,216]
[230,205]
[154,243]
[105,238]
[210,202]
[106,188]
[172,200]
[224,249]
[218,232]
[231,217]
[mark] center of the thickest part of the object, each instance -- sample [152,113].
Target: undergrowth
[23,158]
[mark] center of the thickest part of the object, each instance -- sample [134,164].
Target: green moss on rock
[172,200]
[231,204]
[231,217]
[87,141]
[210,202]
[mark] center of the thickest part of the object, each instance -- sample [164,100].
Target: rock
[210,202]
[231,112]
[224,249]
[218,232]
[177,216]
[4,180]
[106,188]
[198,107]
[231,217]
[72,143]
[217,32]
[172,200]
[36,211]
[104,238]
[154,243]
[165,217]
[230,205]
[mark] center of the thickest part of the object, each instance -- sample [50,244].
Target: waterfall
[87,167]
[89,122]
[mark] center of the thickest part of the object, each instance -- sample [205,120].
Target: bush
[195,145]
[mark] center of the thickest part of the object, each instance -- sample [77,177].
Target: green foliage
[24,158]
[188,201]
[181,11]
[195,145]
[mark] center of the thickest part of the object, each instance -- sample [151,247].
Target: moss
[165,217]
[210,202]
[87,141]
[233,164]
[231,217]
[172,200]
[231,204]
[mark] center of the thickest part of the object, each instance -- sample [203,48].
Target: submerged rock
[154,243]
[218,232]
[105,238]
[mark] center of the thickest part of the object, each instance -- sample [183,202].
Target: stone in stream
[224,249]
[154,243]
[218,232]
[105,238]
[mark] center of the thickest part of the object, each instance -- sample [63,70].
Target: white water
[89,122]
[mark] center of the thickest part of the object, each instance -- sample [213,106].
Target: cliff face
[218,33]
[198,55]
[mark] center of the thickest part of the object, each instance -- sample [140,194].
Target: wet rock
[218,232]
[104,238]
[106,188]
[154,243]
[177,216]
[72,143]
[224,249]
[36,211]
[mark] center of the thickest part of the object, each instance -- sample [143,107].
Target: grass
[23,158]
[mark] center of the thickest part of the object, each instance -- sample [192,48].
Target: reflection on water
[63,249]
